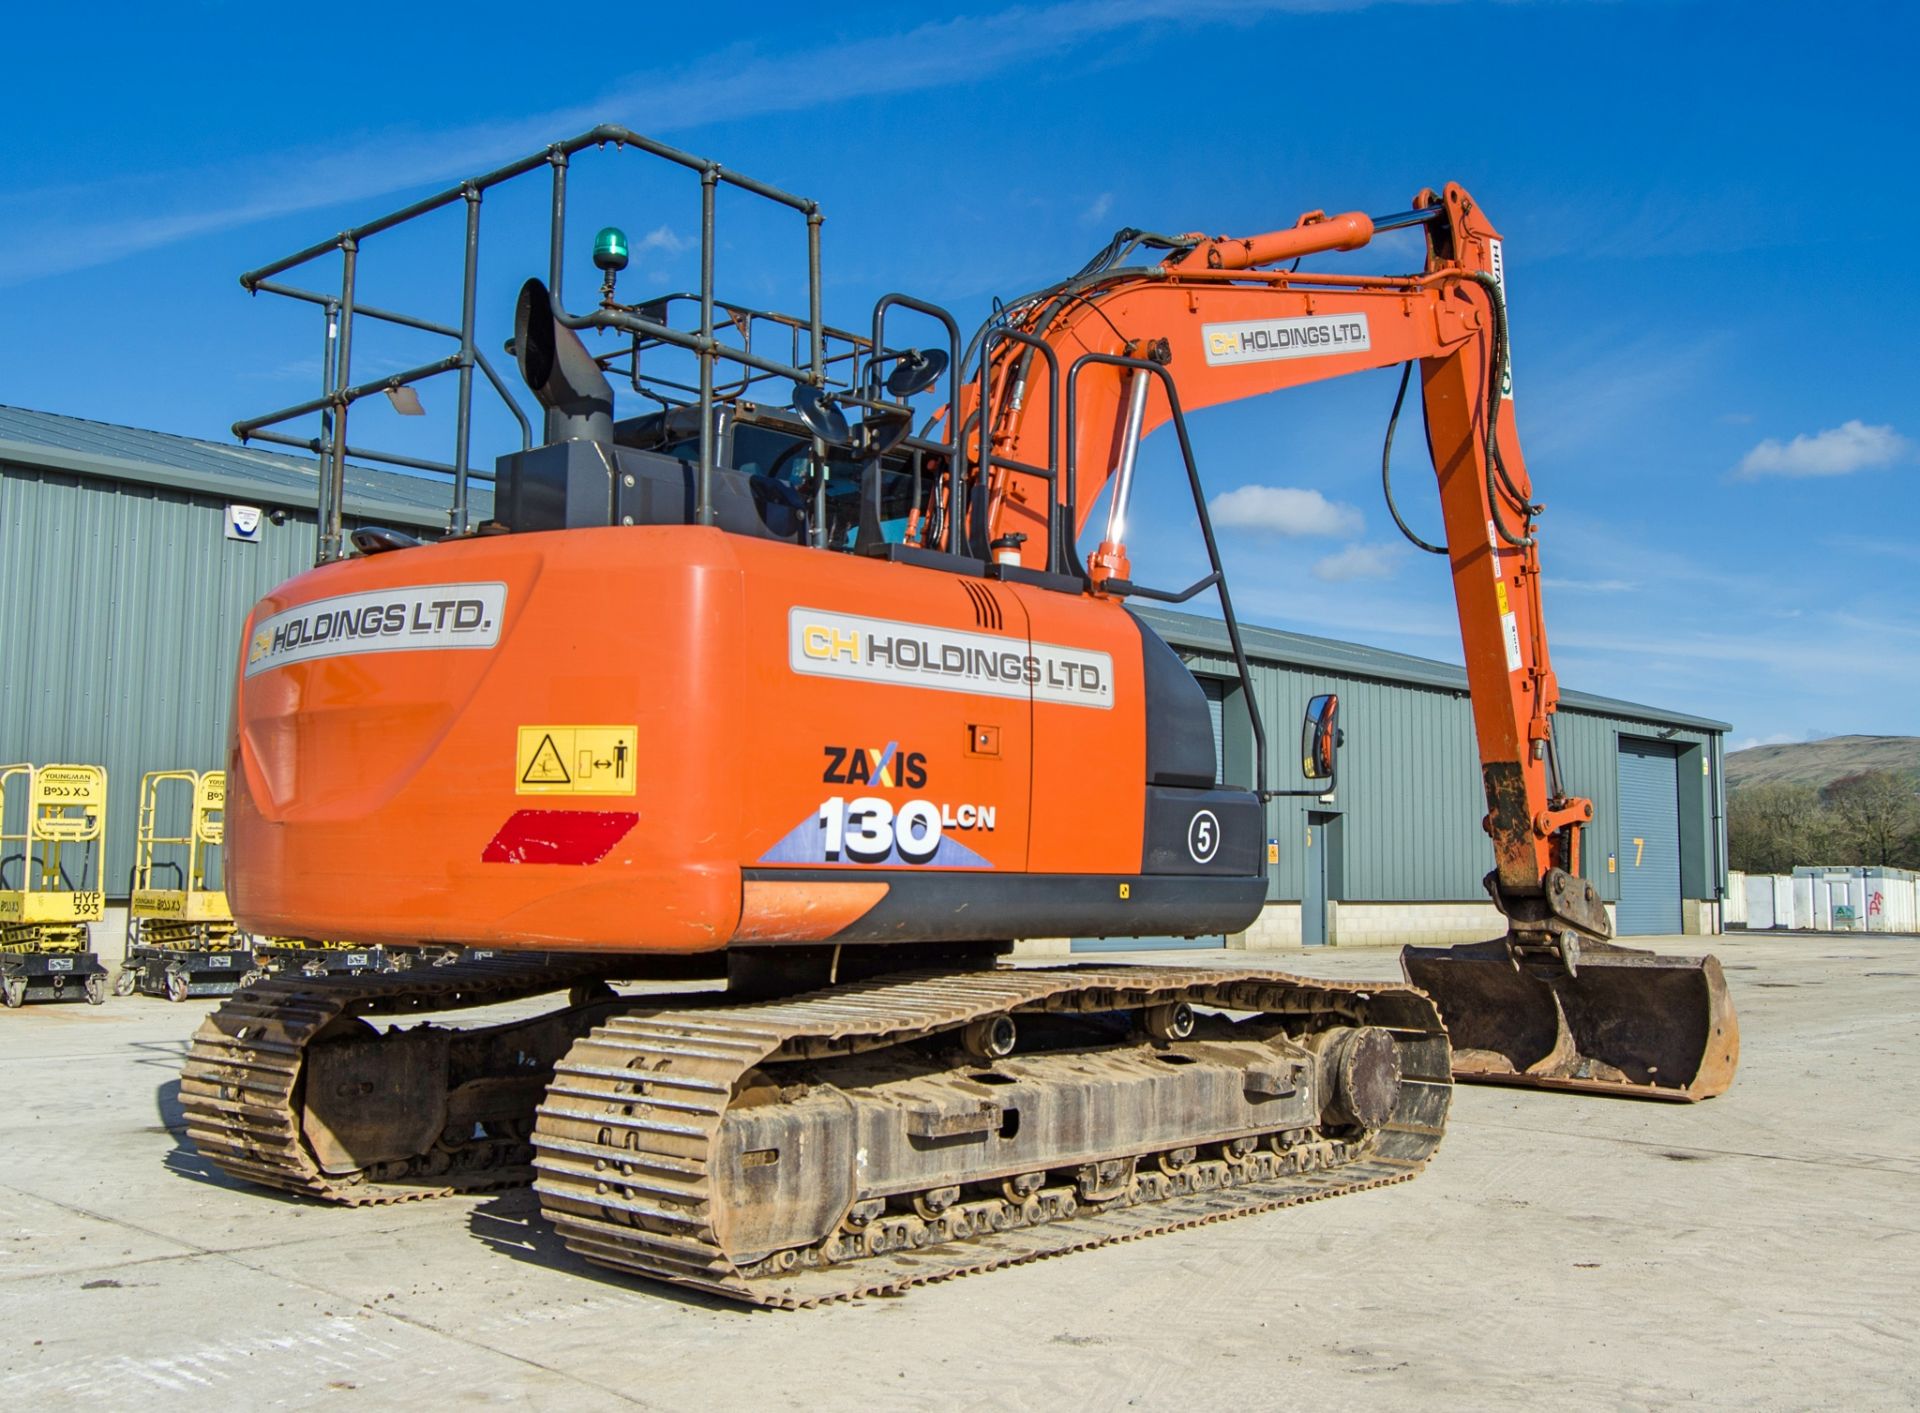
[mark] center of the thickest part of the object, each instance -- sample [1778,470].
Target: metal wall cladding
[121,612]
[1410,798]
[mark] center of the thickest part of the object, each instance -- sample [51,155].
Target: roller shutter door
[1649,839]
[1216,692]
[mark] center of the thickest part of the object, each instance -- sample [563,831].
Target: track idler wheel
[1173,1021]
[1361,1069]
[990,1037]
[1631,1023]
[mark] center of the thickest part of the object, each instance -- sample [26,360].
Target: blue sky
[1707,210]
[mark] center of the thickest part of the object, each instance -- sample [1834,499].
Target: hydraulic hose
[1495,464]
[1386,464]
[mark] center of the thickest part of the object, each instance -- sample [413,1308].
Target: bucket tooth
[1632,1023]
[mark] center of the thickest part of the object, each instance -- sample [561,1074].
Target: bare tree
[1877,813]
[1774,828]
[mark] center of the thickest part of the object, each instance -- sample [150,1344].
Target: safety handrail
[339,391]
[880,350]
[1142,367]
[987,461]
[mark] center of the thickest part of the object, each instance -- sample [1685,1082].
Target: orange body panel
[377,793]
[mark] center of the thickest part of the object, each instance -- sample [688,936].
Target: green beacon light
[610,249]
[610,252]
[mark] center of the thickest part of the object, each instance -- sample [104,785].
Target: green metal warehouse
[1399,850]
[126,576]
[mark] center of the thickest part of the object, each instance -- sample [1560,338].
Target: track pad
[375,1098]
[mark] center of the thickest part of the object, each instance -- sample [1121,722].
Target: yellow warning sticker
[1500,593]
[575,760]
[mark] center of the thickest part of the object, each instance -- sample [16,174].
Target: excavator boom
[1554,1003]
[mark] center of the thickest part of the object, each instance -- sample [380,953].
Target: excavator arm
[1226,324]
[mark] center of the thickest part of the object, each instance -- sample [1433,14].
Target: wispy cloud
[49,231]
[1098,208]
[1283,510]
[664,239]
[1358,562]
[1597,392]
[1838,451]
[1891,549]
[1588,586]
[1663,222]
[1778,738]
[1805,655]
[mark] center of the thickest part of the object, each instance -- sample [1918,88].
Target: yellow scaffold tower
[181,940]
[50,890]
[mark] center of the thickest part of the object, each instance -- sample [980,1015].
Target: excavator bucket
[1630,1023]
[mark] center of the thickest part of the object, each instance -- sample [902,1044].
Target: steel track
[625,1138]
[241,1086]
[621,1161]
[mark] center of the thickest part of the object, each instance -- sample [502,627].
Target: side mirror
[917,370]
[1321,737]
[820,416]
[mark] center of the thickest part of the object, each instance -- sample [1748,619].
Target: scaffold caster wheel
[176,986]
[125,981]
[97,989]
[13,990]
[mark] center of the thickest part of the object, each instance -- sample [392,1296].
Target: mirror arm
[1123,588]
[1331,783]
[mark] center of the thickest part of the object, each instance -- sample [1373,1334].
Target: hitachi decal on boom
[807,547]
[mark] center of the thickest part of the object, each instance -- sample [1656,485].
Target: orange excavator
[816,697]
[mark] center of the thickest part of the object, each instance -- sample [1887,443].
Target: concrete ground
[1756,1251]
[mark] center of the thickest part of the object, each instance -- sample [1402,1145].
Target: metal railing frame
[339,392]
[986,460]
[1217,580]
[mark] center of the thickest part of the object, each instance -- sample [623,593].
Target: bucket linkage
[1582,1014]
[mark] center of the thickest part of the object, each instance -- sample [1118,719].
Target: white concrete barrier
[1826,899]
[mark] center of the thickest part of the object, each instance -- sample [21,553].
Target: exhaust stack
[560,372]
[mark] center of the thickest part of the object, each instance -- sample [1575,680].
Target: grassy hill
[1819,763]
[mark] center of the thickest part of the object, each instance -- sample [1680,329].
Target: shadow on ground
[510,1223]
[186,1161]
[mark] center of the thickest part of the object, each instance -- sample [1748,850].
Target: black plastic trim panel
[954,906]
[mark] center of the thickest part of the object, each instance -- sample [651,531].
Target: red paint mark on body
[558,836]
